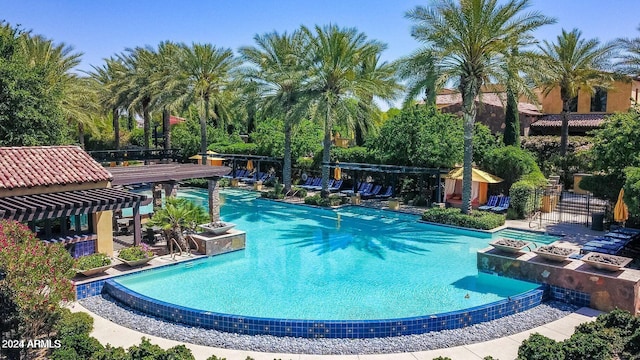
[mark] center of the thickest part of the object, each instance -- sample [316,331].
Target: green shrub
[76,347]
[92,261]
[539,347]
[299,192]
[178,352]
[356,154]
[204,183]
[234,148]
[110,353]
[312,200]
[452,216]
[73,324]
[602,186]
[146,350]
[332,200]
[135,253]
[304,162]
[586,346]
[523,199]
[510,163]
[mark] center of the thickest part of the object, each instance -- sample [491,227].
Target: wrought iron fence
[567,207]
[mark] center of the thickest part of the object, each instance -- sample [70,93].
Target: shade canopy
[476,175]
[620,211]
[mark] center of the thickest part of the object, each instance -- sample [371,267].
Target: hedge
[453,216]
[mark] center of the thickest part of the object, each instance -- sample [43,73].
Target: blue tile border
[323,328]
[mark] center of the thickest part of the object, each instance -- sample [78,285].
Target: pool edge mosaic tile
[324,328]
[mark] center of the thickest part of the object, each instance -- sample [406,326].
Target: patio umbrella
[620,211]
[337,173]
[250,165]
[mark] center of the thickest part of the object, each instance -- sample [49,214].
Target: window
[599,100]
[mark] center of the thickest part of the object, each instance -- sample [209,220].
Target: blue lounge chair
[314,183]
[359,187]
[365,188]
[369,194]
[493,202]
[308,182]
[387,194]
[336,186]
[503,206]
[319,186]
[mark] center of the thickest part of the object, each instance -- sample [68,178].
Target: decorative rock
[509,325]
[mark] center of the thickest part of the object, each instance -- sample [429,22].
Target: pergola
[168,174]
[234,158]
[396,170]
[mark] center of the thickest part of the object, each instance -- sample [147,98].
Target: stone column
[157,196]
[170,189]
[214,200]
[137,225]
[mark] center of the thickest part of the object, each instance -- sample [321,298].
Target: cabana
[479,186]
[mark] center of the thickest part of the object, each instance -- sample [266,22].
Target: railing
[565,207]
[135,154]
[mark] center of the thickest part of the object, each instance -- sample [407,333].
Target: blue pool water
[308,263]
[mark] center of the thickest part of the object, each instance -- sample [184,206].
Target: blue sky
[101,28]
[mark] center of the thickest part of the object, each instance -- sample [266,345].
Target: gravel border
[106,307]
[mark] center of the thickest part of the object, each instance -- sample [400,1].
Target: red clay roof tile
[29,166]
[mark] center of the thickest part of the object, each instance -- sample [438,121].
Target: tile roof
[575,120]
[495,99]
[29,166]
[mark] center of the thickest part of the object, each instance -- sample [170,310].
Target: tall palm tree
[573,64]
[278,72]
[105,80]
[630,59]
[419,70]
[167,81]
[205,72]
[335,56]
[58,62]
[468,39]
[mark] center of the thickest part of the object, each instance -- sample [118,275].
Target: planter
[394,204]
[606,262]
[257,186]
[510,245]
[138,262]
[234,182]
[98,270]
[218,228]
[554,253]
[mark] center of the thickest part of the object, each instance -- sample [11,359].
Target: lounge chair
[503,206]
[336,186]
[387,194]
[372,193]
[314,183]
[493,202]
[319,186]
[359,188]
[308,182]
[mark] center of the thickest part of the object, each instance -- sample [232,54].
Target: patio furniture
[372,193]
[502,206]
[336,186]
[386,194]
[493,201]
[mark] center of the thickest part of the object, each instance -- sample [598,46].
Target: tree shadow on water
[376,240]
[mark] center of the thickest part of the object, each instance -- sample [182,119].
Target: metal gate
[567,207]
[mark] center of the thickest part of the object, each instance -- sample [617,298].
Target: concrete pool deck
[505,348]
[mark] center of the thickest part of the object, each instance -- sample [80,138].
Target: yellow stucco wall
[617,99]
[53,188]
[103,227]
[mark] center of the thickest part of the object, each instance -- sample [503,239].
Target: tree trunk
[130,121]
[116,127]
[204,115]
[166,129]
[326,152]
[469,93]
[214,201]
[81,134]
[147,124]
[286,169]
[564,132]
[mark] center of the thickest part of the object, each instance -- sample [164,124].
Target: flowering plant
[137,252]
[92,261]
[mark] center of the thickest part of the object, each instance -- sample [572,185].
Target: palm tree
[630,60]
[335,79]
[279,75]
[167,81]
[178,215]
[105,79]
[573,64]
[58,62]
[205,72]
[421,75]
[467,40]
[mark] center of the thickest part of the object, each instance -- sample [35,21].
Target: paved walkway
[505,348]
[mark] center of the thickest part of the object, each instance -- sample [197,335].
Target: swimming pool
[306,264]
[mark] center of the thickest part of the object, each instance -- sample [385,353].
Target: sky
[102,28]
